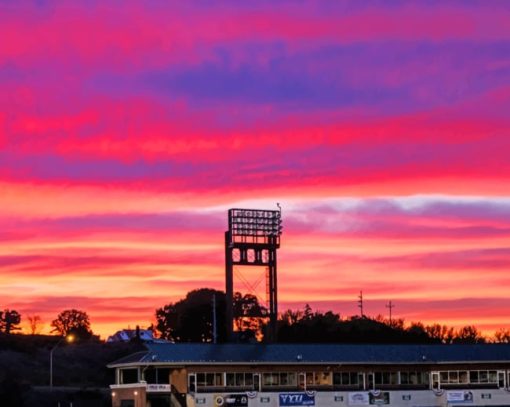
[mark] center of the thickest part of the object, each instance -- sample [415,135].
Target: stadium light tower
[252,238]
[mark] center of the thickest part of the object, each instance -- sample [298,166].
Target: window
[309,378]
[288,379]
[240,379]
[231,379]
[129,376]
[270,379]
[414,378]
[483,377]
[469,377]
[322,378]
[219,379]
[201,379]
[157,375]
[279,379]
[319,379]
[345,379]
[386,378]
[210,380]
[454,377]
[248,379]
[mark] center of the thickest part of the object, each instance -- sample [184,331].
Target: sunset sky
[128,129]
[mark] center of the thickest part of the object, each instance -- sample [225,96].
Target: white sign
[459,396]
[359,399]
[154,388]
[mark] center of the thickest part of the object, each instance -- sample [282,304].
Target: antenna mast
[390,306]
[360,303]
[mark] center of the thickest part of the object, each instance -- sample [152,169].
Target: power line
[390,306]
[360,303]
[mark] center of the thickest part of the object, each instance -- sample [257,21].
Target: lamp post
[68,338]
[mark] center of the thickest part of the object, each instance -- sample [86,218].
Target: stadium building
[332,375]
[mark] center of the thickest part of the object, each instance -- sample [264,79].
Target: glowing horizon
[128,130]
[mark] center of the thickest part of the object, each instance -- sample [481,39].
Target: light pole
[68,338]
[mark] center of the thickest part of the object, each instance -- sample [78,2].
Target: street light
[68,338]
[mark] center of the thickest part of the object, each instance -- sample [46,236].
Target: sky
[127,130]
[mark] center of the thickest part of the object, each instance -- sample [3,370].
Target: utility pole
[360,303]
[390,306]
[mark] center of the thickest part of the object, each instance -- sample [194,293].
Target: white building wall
[412,398]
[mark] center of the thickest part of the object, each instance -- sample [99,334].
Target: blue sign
[297,399]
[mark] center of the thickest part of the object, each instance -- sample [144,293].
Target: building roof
[126,335]
[186,354]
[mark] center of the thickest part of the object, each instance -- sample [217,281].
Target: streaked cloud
[126,131]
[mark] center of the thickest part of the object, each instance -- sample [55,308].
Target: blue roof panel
[181,353]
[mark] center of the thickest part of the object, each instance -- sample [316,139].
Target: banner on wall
[358,398]
[231,400]
[155,388]
[379,398]
[236,400]
[297,399]
[462,396]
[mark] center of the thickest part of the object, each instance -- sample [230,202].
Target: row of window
[414,378]
[347,379]
[279,379]
[322,378]
[468,377]
[152,375]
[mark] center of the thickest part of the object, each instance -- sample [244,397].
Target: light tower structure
[252,238]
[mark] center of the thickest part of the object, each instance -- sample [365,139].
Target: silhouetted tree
[307,312]
[167,321]
[248,313]
[417,333]
[34,322]
[191,319]
[9,320]
[290,317]
[74,322]
[468,334]
[396,323]
[440,333]
[309,326]
[502,335]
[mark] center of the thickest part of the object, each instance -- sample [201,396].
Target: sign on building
[158,388]
[462,396]
[358,399]
[297,399]
[379,398]
[231,400]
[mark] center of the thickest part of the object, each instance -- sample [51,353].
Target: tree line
[67,322]
[191,320]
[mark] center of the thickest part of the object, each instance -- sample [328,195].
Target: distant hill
[25,364]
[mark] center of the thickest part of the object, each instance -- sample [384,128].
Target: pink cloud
[125,132]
